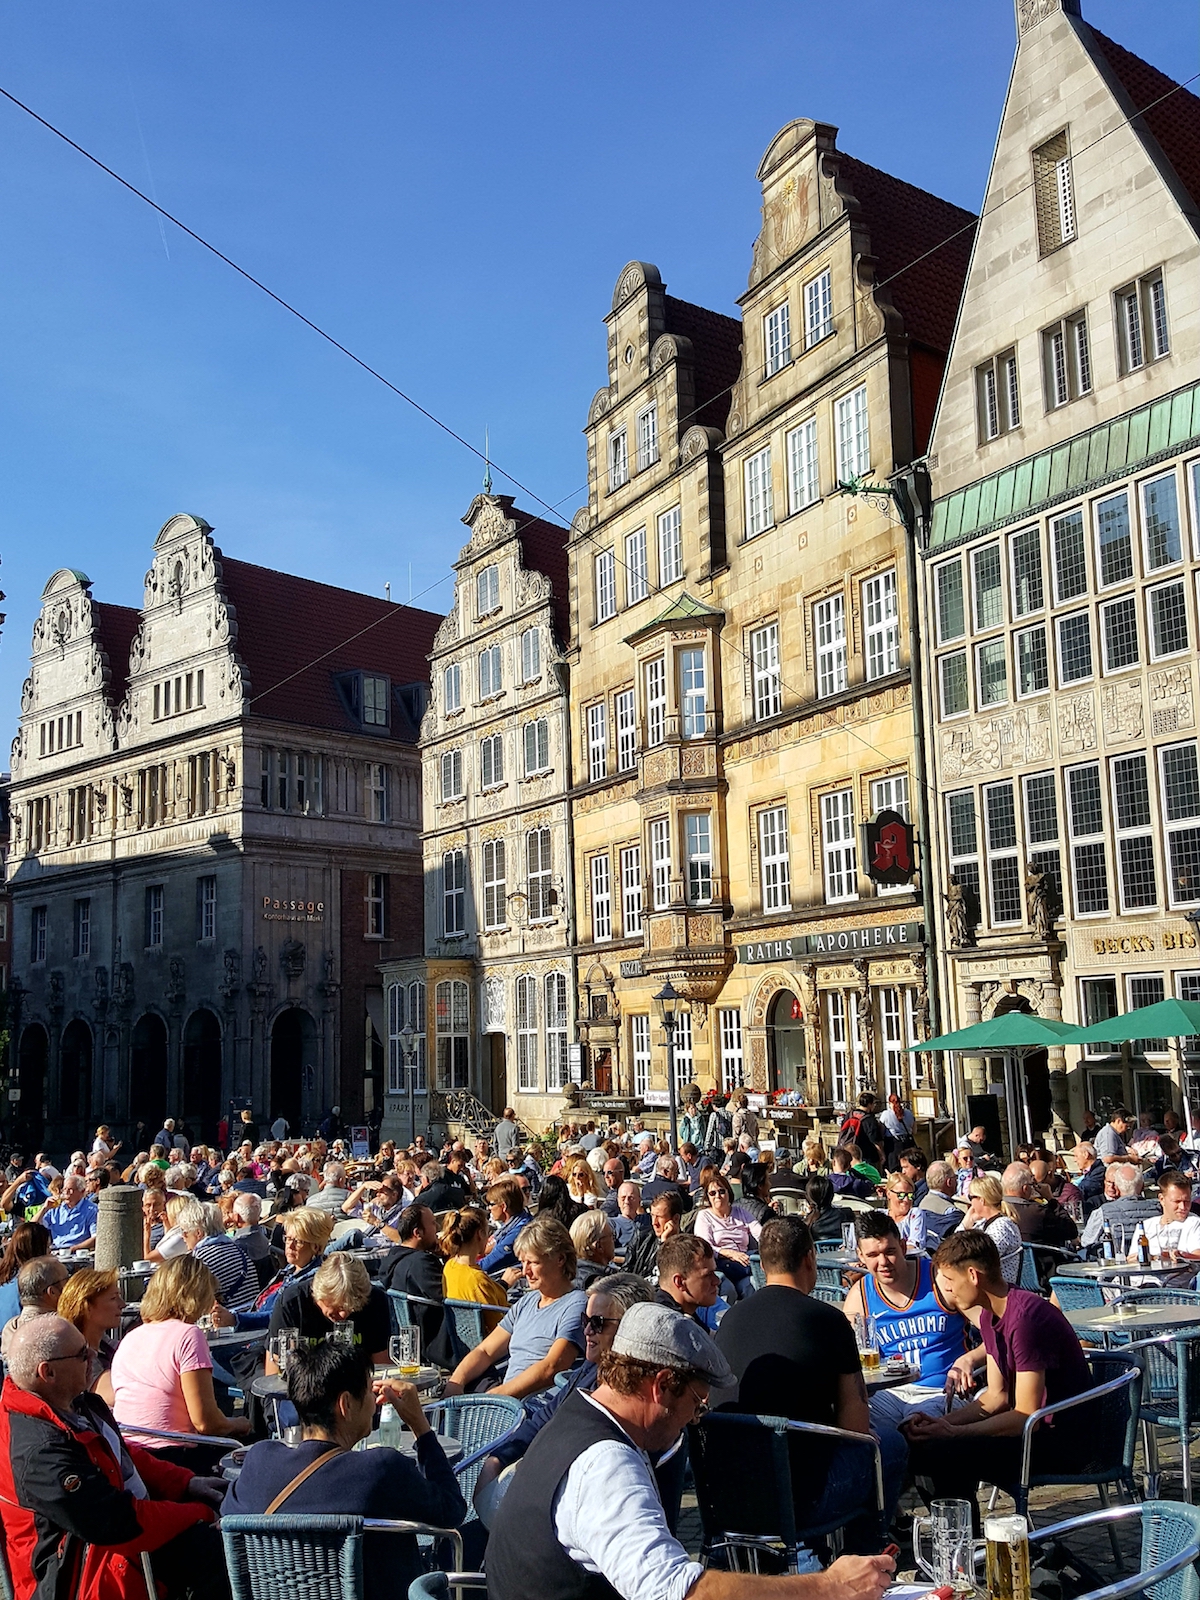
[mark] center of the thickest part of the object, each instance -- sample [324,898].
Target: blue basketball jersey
[922,1332]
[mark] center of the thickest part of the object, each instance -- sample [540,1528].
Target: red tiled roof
[904,223]
[115,627]
[1175,122]
[717,346]
[294,635]
[544,550]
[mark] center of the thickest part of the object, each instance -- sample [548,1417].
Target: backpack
[851,1129]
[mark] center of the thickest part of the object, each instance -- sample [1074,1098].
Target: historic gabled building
[740,694]
[1062,567]
[215,838]
[491,1003]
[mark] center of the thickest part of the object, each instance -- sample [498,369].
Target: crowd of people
[624,1288]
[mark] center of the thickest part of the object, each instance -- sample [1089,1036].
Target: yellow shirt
[470,1283]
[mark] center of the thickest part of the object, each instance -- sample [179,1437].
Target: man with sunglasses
[78,1505]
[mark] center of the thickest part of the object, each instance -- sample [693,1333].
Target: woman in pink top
[162,1372]
[729,1229]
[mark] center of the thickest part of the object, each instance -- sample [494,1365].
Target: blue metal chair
[831,1296]
[467,1321]
[401,1304]
[1170,1397]
[1156,1296]
[828,1247]
[319,1558]
[479,1422]
[1077,1294]
[1170,1548]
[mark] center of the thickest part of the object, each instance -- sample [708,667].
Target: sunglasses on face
[598,1324]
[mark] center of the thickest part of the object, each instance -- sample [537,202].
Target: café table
[839,1258]
[232,1339]
[886,1378]
[1107,1320]
[1106,1269]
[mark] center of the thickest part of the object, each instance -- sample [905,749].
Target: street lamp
[667,1001]
[408,1042]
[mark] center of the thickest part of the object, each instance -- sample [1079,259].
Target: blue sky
[452,192]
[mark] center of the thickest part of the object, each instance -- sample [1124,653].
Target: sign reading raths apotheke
[875,938]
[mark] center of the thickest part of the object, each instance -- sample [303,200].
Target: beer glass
[404,1352]
[951,1560]
[868,1344]
[1007,1541]
[849,1239]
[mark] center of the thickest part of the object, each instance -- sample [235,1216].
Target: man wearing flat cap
[583,1520]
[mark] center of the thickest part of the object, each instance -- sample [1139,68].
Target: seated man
[331,1389]
[613,1175]
[629,1220]
[796,1357]
[688,1279]
[1089,1177]
[666,1214]
[415,1266]
[942,1216]
[913,1323]
[845,1181]
[1041,1221]
[72,1223]
[338,1293]
[509,1217]
[666,1181]
[40,1282]
[78,1505]
[1176,1229]
[583,1514]
[1033,1359]
[1123,1207]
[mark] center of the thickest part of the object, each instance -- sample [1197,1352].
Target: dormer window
[368,698]
[487,591]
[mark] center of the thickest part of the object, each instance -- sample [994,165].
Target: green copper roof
[685,609]
[1138,439]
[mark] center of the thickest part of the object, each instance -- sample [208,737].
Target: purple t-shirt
[1034,1336]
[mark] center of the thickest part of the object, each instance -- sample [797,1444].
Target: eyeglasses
[76,1355]
[598,1324]
[702,1406]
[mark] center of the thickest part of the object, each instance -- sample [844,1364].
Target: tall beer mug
[1007,1540]
[951,1561]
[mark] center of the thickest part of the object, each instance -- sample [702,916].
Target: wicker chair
[308,1557]
[831,1296]
[1077,1294]
[1170,1548]
[1170,1397]
[479,1422]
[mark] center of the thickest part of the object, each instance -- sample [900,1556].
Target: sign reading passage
[292,910]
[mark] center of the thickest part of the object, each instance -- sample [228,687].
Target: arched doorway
[202,1073]
[785,1041]
[29,1121]
[148,1071]
[293,1066]
[75,1077]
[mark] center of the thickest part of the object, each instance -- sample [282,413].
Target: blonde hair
[182,1289]
[460,1229]
[80,1289]
[151,1176]
[308,1225]
[587,1232]
[585,1184]
[344,1282]
[988,1189]
[814,1150]
[177,1204]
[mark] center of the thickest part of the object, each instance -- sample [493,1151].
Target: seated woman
[902,1208]
[825,1220]
[463,1239]
[756,1191]
[581,1183]
[161,1374]
[728,1228]
[305,1234]
[171,1242]
[92,1301]
[340,1294]
[554,1199]
[987,1213]
[541,1335]
[815,1163]
[595,1246]
[27,1241]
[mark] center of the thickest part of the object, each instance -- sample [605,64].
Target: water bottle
[390,1426]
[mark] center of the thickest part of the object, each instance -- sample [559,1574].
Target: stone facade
[498,970]
[215,837]
[1060,579]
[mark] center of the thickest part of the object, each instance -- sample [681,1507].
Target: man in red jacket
[78,1505]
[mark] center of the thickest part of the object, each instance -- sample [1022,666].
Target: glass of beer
[1007,1540]
[868,1344]
[404,1351]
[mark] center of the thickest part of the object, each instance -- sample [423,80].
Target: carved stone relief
[1076,724]
[1171,703]
[493,1004]
[993,743]
[1121,710]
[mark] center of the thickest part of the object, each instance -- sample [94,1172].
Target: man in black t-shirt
[340,1294]
[796,1357]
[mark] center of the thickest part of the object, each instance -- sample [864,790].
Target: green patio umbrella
[1165,1019]
[1013,1030]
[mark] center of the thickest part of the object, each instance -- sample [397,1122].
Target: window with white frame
[452,687]
[531,655]
[597,742]
[987,586]
[841,1018]
[670,547]
[891,794]
[733,1065]
[1180,789]
[1069,546]
[1145,989]
[206,912]
[1053,193]
[491,760]
[491,672]
[487,591]
[699,857]
[684,1069]
[853,435]
[452,1010]
[526,996]
[556,1029]
[606,586]
[618,460]
[647,437]
[378,791]
[406,1003]
[637,578]
[1166,617]
[1066,360]
[1119,630]
[1114,543]
[1025,567]
[1033,664]
[656,701]
[953,685]
[454,893]
[838,846]
[639,1034]
[1074,647]
[829,629]
[693,693]
[1041,830]
[660,862]
[601,877]
[1163,543]
[625,711]
[891,1028]
[777,339]
[991,673]
[760,513]
[951,602]
[452,775]
[495,887]
[1142,329]
[818,308]
[881,613]
[775,869]
[1004,867]
[536,736]
[767,685]
[631,891]
[1133,821]
[804,472]
[963,835]
[997,396]
[1089,863]
[539,878]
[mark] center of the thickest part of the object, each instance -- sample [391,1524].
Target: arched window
[453,1006]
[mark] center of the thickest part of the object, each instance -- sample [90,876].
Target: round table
[231,1339]
[839,1258]
[1106,1269]
[1107,1319]
[453,1448]
[881,1378]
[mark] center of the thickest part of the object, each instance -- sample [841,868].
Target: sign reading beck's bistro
[877,938]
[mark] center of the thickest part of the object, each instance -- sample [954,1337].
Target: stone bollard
[119,1227]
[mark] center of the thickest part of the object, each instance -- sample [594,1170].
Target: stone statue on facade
[958,923]
[1041,903]
[291,959]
